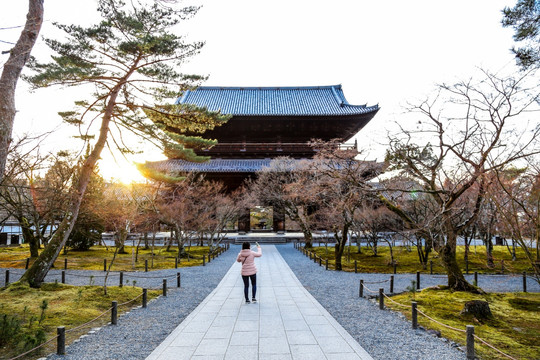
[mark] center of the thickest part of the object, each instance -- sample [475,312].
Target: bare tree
[34,191]
[18,56]
[223,210]
[516,196]
[277,186]
[119,212]
[467,131]
[341,189]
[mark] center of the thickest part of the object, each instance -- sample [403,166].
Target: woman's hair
[245,245]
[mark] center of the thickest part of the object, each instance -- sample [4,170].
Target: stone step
[261,239]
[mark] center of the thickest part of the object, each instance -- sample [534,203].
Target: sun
[122,170]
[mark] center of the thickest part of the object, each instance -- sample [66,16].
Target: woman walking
[249,271]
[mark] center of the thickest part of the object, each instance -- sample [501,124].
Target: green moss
[407,260]
[92,259]
[512,329]
[67,305]
[525,304]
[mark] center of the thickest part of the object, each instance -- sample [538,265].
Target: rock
[477,308]
[435,333]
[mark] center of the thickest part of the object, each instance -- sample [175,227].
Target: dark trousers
[253,285]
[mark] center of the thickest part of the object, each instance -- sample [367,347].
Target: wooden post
[431,267]
[418,280]
[27,263]
[476,278]
[361,290]
[65,263]
[381,299]
[326,264]
[146,265]
[209,258]
[524,281]
[470,342]
[395,267]
[144,298]
[178,279]
[164,287]
[104,264]
[414,314]
[63,276]
[204,260]
[176,263]
[7,278]
[114,313]
[355,267]
[61,340]
[391,284]
[121,282]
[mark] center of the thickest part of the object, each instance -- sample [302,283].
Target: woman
[249,271]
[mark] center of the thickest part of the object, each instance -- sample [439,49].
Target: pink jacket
[248,266]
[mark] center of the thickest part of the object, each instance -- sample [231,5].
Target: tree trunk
[340,246]
[489,252]
[308,236]
[10,75]
[28,237]
[146,243]
[121,237]
[35,275]
[424,250]
[456,280]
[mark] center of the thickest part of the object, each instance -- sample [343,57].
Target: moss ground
[514,328]
[407,260]
[67,305]
[15,257]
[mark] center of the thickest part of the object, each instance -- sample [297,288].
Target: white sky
[385,52]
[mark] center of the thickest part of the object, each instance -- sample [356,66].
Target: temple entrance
[262,218]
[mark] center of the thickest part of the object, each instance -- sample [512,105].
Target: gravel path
[140,331]
[384,334]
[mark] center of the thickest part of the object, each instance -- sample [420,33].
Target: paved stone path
[286,323]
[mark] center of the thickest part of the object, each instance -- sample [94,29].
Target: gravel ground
[384,334]
[140,331]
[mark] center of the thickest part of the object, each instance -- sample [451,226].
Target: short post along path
[286,323]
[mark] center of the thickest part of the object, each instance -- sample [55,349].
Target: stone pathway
[286,323]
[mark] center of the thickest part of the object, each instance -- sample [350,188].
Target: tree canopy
[524,17]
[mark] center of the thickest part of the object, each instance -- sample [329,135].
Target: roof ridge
[314,87]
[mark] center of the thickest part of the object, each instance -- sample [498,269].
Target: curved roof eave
[275,101]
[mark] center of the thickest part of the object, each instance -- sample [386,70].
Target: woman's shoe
[253,300]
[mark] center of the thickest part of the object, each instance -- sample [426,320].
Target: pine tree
[131,59]
[524,17]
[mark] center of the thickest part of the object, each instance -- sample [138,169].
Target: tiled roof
[369,169]
[214,165]
[299,101]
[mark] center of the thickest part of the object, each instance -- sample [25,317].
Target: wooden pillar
[243,222]
[278,215]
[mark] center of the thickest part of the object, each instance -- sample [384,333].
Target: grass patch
[25,321]
[407,260]
[514,329]
[15,257]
